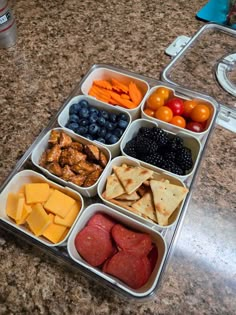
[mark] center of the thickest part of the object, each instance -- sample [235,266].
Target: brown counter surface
[58,41]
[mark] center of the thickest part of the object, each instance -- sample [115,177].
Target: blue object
[215,11]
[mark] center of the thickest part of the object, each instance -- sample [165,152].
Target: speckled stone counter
[57,43]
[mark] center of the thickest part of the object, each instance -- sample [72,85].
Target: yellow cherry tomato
[200,113]
[164,113]
[155,101]
[149,112]
[178,121]
[164,92]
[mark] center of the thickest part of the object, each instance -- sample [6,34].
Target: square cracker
[132,177]
[166,197]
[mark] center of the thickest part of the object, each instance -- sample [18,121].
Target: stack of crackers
[135,189]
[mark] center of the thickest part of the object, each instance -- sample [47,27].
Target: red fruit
[194,126]
[176,105]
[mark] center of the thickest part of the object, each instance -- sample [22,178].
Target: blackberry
[169,155]
[145,132]
[177,170]
[154,159]
[155,133]
[172,167]
[130,148]
[184,158]
[176,143]
[145,146]
[163,139]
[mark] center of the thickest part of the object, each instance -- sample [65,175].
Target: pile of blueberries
[95,124]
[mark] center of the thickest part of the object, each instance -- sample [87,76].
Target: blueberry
[93,110]
[83,122]
[122,116]
[73,126]
[93,129]
[113,139]
[102,132]
[74,108]
[104,114]
[88,136]
[82,130]
[101,121]
[93,117]
[107,136]
[122,123]
[100,139]
[84,112]
[112,117]
[84,104]
[73,118]
[110,126]
[118,132]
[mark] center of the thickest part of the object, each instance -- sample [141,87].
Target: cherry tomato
[194,126]
[176,105]
[200,113]
[149,112]
[178,121]
[164,92]
[188,107]
[155,101]
[164,113]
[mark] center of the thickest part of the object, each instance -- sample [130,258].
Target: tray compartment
[42,147]
[189,141]
[103,73]
[178,92]
[64,117]
[29,176]
[118,161]
[157,239]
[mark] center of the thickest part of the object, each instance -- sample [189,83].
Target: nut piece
[54,137]
[103,159]
[92,151]
[65,140]
[54,168]
[54,153]
[92,178]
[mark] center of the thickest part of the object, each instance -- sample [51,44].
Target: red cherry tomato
[176,105]
[178,121]
[200,113]
[164,113]
[194,126]
[188,107]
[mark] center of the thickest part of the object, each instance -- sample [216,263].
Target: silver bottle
[7,26]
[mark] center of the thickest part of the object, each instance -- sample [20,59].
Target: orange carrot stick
[122,102]
[134,93]
[115,83]
[125,96]
[103,84]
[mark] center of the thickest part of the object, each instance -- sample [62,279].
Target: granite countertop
[58,41]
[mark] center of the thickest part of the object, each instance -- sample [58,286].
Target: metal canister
[7,26]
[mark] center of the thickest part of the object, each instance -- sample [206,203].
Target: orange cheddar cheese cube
[59,203]
[69,219]
[38,220]
[54,232]
[14,206]
[36,192]
[26,211]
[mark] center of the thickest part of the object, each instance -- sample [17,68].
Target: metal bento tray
[169,234]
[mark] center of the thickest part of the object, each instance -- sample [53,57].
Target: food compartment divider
[60,254]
